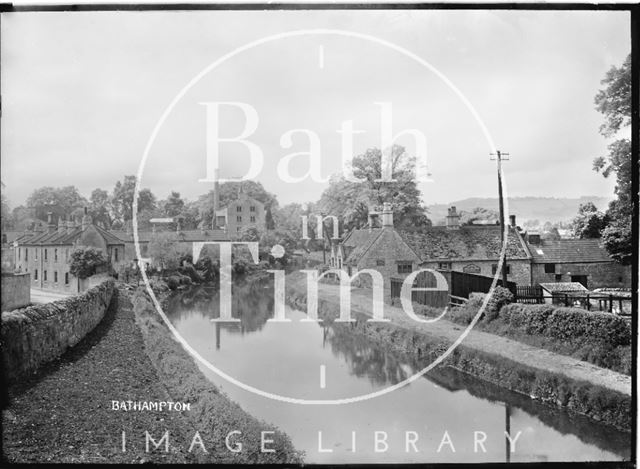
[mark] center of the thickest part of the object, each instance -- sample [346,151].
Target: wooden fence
[610,303]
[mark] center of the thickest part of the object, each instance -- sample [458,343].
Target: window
[66,278]
[45,255]
[549,268]
[55,276]
[19,253]
[45,275]
[115,254]
[379,262]
[252,208]
[35,274]
[238,218]
[66,254]
[444,265]
[55,255]
[404,267]
[36,250]
[253,219]
[239,208]
[558,277]
[26,254]
[494,268]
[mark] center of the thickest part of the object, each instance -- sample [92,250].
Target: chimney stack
[70,226]
[62,225]
[387,215]
[50,226]
[373,215]
[453,219]
[86,219]
[512,220]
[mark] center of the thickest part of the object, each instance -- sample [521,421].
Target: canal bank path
[482,341]
[64,413]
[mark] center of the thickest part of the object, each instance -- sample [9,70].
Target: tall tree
[590,221]
[614,102]
[174,204]
[100,208]
[351,201]
[68,198]
[6,217]
[122,199]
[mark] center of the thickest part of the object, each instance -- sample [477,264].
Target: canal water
[445,416]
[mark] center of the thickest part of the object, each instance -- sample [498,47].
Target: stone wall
[39,334]
[16,290]
[599,274]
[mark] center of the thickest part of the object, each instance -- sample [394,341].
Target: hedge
[567,323]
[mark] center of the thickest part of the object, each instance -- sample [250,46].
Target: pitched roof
[468,242]
[562,287]
[185,235]
[63,237]
[11,235]
[569,250]
[359,242]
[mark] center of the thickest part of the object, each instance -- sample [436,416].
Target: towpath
[64,413]
[510,349]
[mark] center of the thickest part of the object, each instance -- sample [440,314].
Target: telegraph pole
[499,156]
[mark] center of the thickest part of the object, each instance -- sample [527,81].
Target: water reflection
[450,399]
[364,359]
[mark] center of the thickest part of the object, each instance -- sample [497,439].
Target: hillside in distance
[543,209]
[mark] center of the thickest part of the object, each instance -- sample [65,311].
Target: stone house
[575,260]
[396,253]
[46,254]
[184,240]
[242,212]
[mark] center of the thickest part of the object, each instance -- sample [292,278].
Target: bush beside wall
[39,334]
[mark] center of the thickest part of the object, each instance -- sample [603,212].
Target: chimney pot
[387,215]
[512,219]
[453,219]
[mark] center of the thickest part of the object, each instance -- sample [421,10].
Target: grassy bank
[584,398]
[603,339]
[213,413]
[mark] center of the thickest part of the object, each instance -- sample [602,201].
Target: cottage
[397,253]
[184,240]
[46,255]
[575,260]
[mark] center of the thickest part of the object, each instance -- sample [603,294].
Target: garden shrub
[173,282]
[500,297]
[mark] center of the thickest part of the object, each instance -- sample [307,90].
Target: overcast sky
[82,92]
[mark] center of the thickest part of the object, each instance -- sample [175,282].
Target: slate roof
[474,242]
[63,237]
[435,243]
[568,250]
[561,287]
[184,236]
[358,243]
[11,235]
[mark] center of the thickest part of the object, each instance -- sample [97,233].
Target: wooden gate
[462,284]
[436,299]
